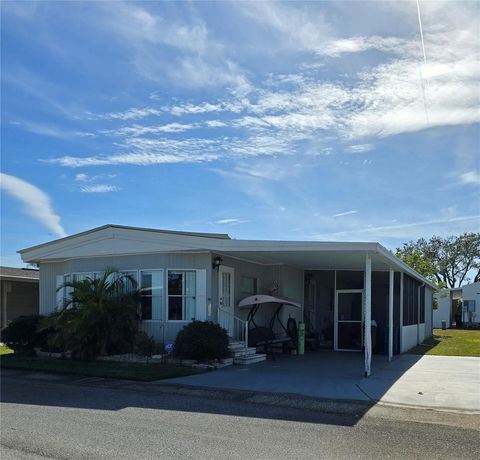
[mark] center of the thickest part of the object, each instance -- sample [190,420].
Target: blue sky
[303,121]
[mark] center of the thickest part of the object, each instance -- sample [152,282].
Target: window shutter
[60,292]
[201,295]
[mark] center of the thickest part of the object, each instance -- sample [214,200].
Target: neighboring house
[203,276]
[471,303]
[19,293]
[449,300]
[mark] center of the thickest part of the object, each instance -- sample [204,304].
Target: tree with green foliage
[445,261]
[99,317]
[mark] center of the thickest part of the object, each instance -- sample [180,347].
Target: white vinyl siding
[60,291]
[201,313]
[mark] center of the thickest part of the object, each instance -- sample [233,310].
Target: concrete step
[236,346]
[243,352]
[250,359]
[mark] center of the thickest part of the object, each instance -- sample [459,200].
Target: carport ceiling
[319,260]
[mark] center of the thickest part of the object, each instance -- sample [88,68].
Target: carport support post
[368,314]
[401,312]
[390,315]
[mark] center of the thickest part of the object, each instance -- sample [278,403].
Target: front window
[249,285]
[130,280]
[181,295]
[77,277]
[151,290]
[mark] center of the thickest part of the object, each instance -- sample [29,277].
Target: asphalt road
[48,419]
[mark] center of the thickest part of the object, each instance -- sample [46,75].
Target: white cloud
[197,72]
[99,188]
[140,26]
[304,112]
[36,202]
[82,177]
[200,61]
[406,230]
[471,177]
[230,221]
[45,129]
[387,99]
[146,151]
[336,48]
[138,130]
[360,148]
[346,213]
[235,105]
[133,113]
[215,124]
[299,28]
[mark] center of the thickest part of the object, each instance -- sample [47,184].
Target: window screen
[349,279]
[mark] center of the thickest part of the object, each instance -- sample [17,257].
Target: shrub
[202,341]
[145,345]
[100,317]
[22,334]
[54,341]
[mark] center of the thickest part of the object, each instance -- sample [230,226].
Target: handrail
[235,326]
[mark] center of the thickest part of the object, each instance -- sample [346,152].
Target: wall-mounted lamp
[217,261]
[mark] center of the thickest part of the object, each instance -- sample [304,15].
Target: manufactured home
[19,293]
[457,306]
[353,296]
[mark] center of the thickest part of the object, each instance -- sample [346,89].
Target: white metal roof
[116,240]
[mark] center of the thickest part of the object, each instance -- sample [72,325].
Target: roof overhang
[23,279]
[322,256]
[113,240]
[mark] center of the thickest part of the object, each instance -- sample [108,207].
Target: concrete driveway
[437,382]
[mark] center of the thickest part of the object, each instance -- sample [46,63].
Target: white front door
[226,297]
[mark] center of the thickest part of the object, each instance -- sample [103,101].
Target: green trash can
[301,338]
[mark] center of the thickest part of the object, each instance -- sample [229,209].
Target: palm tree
[100,316]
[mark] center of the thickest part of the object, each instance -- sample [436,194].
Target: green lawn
[129,371]
[452,342]
[4,350]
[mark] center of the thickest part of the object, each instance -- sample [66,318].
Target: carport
[408,295]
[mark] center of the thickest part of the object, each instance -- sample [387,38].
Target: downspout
[418,313]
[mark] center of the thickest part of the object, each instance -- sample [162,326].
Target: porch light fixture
[217,261]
